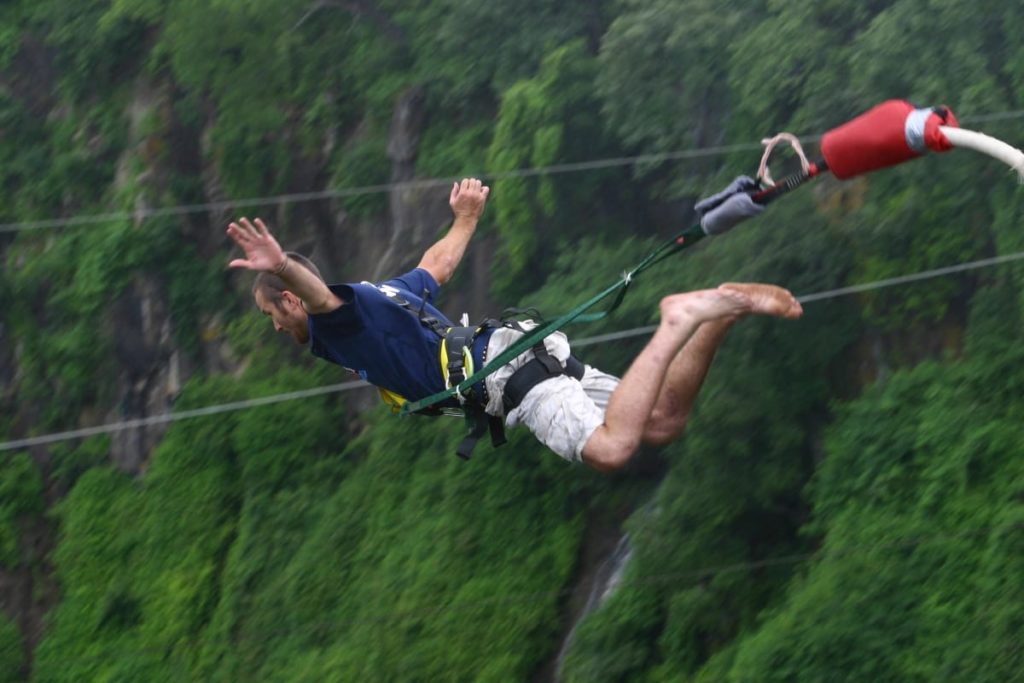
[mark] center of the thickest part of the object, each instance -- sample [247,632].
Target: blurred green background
[847,504]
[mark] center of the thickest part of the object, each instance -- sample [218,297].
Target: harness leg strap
[542,367]
[480,422]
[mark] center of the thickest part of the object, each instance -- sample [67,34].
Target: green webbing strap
[680,241]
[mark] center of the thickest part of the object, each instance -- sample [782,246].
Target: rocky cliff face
[151,366]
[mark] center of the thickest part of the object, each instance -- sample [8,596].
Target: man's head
[284,308]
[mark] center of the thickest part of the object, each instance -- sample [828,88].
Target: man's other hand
[468,198]
[262,252]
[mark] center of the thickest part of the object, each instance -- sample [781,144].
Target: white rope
[346,386]
[986,144]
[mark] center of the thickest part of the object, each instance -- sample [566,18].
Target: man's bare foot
[705,305]
[767,299]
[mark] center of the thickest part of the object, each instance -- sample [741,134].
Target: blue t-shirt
[379,339]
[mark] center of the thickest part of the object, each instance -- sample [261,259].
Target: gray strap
[721,212]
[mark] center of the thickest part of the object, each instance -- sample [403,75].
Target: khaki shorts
[562,413]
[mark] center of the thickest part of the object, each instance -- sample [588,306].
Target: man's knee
[607,461]
[661,430]
[606,453]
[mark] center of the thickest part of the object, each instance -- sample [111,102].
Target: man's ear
[291,298]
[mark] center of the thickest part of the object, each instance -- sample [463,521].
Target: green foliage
[542,120]
[195,291]
[96,48]
[324,564]
[910,229]
[71,460]
[922,513]
[469,47]
[11,653]
[364,163]
[779,83]
[64,353]
[139,561]
[973,76]
[94,516]
[11,15]
[846,504]
[367,568]
[445,151]
[662,79]
[613,644]
[21,495]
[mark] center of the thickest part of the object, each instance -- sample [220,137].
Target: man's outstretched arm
[263,253]
[467,201]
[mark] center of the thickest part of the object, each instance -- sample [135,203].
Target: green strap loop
[680,241]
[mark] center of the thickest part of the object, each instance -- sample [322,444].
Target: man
[383,333]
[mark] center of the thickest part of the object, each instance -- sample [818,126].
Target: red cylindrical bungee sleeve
[886,135]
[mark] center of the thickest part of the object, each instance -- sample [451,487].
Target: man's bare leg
[683,381]
[630,405]
[690,367]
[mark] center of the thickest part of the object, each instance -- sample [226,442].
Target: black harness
[542,367]
[456,343]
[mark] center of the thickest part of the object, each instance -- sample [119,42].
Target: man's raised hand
[468,198]
[262,252]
